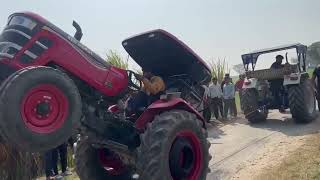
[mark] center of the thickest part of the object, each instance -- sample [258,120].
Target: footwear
[50,178]
[58,177]
[66,173]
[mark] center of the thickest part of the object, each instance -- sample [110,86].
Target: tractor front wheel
[174,146]
[39,108]
[250,106]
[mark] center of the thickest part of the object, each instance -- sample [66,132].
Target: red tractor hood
[163,54]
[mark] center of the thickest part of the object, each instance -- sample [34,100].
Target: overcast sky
[226,28]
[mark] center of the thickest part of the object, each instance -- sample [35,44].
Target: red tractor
[53,87]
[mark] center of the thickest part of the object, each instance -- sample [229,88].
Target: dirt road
[241,150]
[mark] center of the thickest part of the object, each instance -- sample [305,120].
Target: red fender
[165,105]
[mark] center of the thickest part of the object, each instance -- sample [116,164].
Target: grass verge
[302,164]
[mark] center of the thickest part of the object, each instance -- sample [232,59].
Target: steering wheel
[133,83]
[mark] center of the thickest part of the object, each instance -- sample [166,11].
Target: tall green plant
[219,68]
[116,60]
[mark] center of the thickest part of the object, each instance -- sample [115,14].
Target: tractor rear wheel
[250,106]
[39,107]
[98,164]
[174,146]
[302,102]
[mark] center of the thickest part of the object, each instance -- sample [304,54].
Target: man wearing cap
[276,86]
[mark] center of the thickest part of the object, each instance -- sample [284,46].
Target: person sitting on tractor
[276,85]
[152,88]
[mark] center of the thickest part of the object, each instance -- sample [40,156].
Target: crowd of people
[221,97]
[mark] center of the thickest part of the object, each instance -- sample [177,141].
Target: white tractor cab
[287,86]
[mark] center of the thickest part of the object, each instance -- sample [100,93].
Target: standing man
[276,86]
[233,109]
[316,84]
[239,85]
[226,76]
[215,95]
[228,96]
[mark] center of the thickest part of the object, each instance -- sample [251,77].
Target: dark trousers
[48,158]
[216,106]
[318,98]
[138,101]
[61,151]
[278,98]
[233,108]
[228,105]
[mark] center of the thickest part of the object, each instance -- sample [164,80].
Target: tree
[219,68]
[116,60]
[239,68]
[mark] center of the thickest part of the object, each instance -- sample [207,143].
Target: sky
[212,28]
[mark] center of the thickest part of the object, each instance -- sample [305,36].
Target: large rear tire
[174,146]
[39,108]
[250,106]
[302,102]
[89,164]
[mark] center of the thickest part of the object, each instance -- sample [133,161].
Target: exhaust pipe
[78,34]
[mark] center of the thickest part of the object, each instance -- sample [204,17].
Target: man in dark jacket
[276,86]
[316,75]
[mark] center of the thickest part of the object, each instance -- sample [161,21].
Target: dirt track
[242,151]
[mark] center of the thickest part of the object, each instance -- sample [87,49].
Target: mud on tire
[29,126]
[302,102]
[250,107]
[174,145]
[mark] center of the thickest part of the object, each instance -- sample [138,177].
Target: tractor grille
[5,71]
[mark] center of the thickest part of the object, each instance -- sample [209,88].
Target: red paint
[57,115]
[111,163]
[247,82]
[197,153]
[113,109]
[161,106]
[108,80]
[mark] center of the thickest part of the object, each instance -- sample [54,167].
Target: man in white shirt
[215,98]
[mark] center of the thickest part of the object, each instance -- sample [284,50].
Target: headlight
[22,21]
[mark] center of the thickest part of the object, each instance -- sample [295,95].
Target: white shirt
[206,91]
[215,91]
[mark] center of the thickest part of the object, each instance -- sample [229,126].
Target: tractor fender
[250,83]
[293,78]
[165,105]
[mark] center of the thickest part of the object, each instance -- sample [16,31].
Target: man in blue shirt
[228,96]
